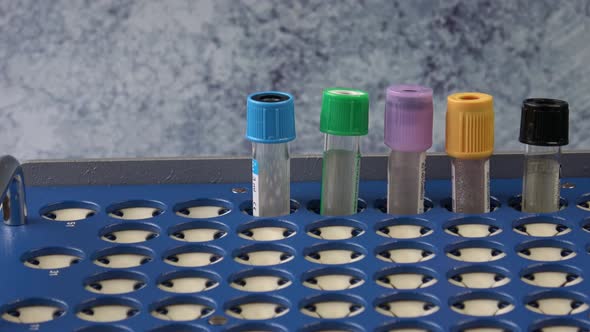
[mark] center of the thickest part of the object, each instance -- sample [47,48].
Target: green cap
[345,112]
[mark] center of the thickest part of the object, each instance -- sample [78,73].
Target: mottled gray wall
[169,78]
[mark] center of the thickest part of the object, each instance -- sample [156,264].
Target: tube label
[487,198]
[255,189]
[422,166]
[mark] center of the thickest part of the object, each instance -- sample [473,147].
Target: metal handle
[12,187]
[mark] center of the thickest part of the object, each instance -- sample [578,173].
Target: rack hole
[410,326]
[333,279]
[257,307]
[69,211]
[560,325]
[203,208]
[334,253]
[381,204]
[335,229]
[122,257]
[482,304]
[129,233]
[246,207]
[403,278]
[407,305]
[404,228]
[546,250]
[556,303]
[104,328]
[115,282]
[332,306]
[315,206]
[260,280]
[253,327]
[188,281]
[515,202]
[541,226]
[136,210]
[33,311]
[476,251]
[182,309]
[473,227]
[584,202]
[551,275]
[486,325]
[267,230]
[198,231]
[586,224]
[405,252]
[193,256]
[52,258]
[479,277]
[178,328]
[264,254]
[107,310]
[332,327]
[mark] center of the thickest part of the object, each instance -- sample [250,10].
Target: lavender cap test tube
[408,132]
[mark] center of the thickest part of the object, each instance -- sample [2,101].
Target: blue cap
[271,117]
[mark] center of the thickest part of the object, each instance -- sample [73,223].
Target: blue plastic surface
[19,282]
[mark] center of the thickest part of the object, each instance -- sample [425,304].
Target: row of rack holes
[477,325]
[333,279]
[336,229]
[324,306]
[474,325]
[473,251]
[210,208]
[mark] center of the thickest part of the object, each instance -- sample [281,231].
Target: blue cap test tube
[270,128]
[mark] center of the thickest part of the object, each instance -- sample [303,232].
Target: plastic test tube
[470,143]
[270,128]
[344,119]
[544,129]
[408,132]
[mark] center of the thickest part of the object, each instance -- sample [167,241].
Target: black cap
[544,122]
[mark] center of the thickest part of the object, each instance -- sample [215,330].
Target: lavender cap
[408,118]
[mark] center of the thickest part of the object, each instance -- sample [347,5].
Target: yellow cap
[470,125]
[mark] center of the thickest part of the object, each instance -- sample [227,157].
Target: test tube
[470,143]
[270,128]
[408,132]
[544,130]
[344,119]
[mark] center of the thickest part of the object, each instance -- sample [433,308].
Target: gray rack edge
[238,169]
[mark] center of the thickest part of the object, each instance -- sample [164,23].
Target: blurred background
[169,78]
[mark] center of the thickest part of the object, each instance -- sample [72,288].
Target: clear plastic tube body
[471,185]
[270,180]
[340,175]
[540,185]
[405,182]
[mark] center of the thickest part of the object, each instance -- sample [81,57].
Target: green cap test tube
[344,119]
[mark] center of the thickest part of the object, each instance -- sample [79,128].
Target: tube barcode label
[422,166]
[487,186]
[453,189]
[255,191]
[357,176]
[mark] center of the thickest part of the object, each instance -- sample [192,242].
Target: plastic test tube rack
[355,277]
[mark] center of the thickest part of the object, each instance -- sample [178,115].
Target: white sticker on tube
[255,189]
[422,167]
[487,185]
